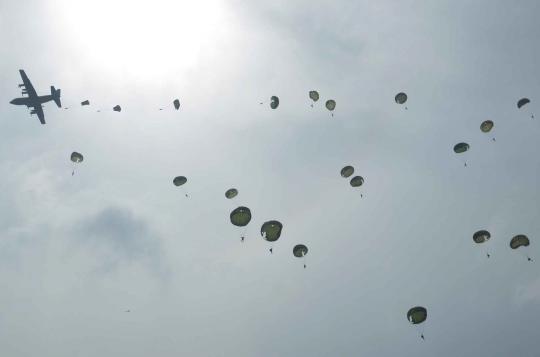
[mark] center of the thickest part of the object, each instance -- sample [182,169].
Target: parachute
[86,102]
[481,236]
[461,148]
[274,102]
[417,315]
[240,216]
[347,171]
[486,126]
[271,230]
[117,108]
[300,250]
[76,157]
[520,240]
[176,103]
[231,193]
[314,96]
[330,105]
[179,180]
[357,181]
[522,102]
[401,98]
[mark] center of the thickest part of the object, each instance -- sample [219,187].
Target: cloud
[117,237]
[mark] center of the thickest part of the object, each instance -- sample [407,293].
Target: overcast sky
[77,251]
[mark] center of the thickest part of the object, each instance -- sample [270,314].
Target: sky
[78,251]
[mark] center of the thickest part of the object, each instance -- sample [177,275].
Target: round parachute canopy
[179,180]
[274,102]
[461,148]
[520,240]
[401,98]
[486,126]
[117,108]
[299,250]
[481,236]
[347,171]
[176,103]
[271,230]
[231,193]
[86,102]
[357,181]
[522,102]
[330,104]
[314,95]
[417,315]
[240,216]
[76,157]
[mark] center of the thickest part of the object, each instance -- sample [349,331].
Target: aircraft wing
[29,87]
[39,111]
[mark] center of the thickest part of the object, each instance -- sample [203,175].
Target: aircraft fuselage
[30,102]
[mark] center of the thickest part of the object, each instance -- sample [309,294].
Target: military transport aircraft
[33,100]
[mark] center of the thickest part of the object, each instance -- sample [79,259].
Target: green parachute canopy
[522,102]
[274,102]
[486,126]
[176,104]
[231,193]
[314,95]
[76,157]
[179,180]
[401,98]
[357,181]
[481,236]
[330,104]
[417,315]
[299,250]
[461,148]
[347,171]
[240,216]
[271,230]
[520,240]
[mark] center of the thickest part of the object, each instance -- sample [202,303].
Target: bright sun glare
[143,38]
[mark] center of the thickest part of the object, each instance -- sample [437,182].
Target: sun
[142,38]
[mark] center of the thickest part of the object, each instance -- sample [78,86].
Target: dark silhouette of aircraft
[33,100]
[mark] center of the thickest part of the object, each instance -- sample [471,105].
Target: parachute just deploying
[176,104]
[117,108]
[274,102]
[86,102]
[314,96]
[522,102]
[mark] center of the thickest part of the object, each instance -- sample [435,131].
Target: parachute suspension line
[304,257]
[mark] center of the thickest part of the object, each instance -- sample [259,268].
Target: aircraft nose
[12,101]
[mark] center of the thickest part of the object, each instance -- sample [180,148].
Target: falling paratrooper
[416,316]
[180,181]
[76,158]
[300,251]
[518,241]
[331,105]
[486,127]
[522,102]
[401,98]
[461,148]
[271,231]
[314,96]
[480,237]
[240,217]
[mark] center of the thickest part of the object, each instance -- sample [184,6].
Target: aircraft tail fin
[55,93]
